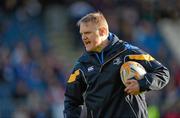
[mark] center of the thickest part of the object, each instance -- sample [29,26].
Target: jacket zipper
[111,59]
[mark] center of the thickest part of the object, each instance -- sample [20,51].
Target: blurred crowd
[32,77]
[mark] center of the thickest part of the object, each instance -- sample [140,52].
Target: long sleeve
[157,75]
[74,94]
[155,79]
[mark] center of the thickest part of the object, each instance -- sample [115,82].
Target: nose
[83,37]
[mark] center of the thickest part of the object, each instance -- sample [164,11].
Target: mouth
[87,42]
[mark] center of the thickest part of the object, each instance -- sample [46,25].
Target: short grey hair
[97,18]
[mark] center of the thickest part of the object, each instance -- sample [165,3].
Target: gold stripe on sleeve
[145,57]
[73,76]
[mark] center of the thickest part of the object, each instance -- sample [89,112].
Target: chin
[88,50]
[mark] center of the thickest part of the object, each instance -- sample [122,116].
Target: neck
[102,46]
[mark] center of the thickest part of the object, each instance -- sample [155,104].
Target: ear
[102,31]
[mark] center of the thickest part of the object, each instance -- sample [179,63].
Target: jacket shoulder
[85,57]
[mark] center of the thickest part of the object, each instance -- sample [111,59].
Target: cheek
[94,42]
[97,41]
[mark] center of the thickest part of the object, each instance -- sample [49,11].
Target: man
[95,80]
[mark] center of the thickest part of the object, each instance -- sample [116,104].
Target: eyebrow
[85,32]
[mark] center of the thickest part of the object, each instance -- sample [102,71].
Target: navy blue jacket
[96,83]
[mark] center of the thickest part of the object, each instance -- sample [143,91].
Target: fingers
[129,89]
[128,82]
[132,87]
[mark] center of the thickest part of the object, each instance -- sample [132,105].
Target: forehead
[87,27]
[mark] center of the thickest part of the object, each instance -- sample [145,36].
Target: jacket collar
[115,43]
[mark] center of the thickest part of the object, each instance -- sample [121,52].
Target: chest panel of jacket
[103,81]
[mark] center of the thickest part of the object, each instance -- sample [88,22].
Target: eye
[87,32]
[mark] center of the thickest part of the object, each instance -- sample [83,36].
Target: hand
[132,87]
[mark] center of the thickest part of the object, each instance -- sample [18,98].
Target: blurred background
[39,43]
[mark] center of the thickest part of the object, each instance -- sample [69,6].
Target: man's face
[90,36]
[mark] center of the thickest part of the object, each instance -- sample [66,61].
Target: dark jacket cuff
[144,84]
